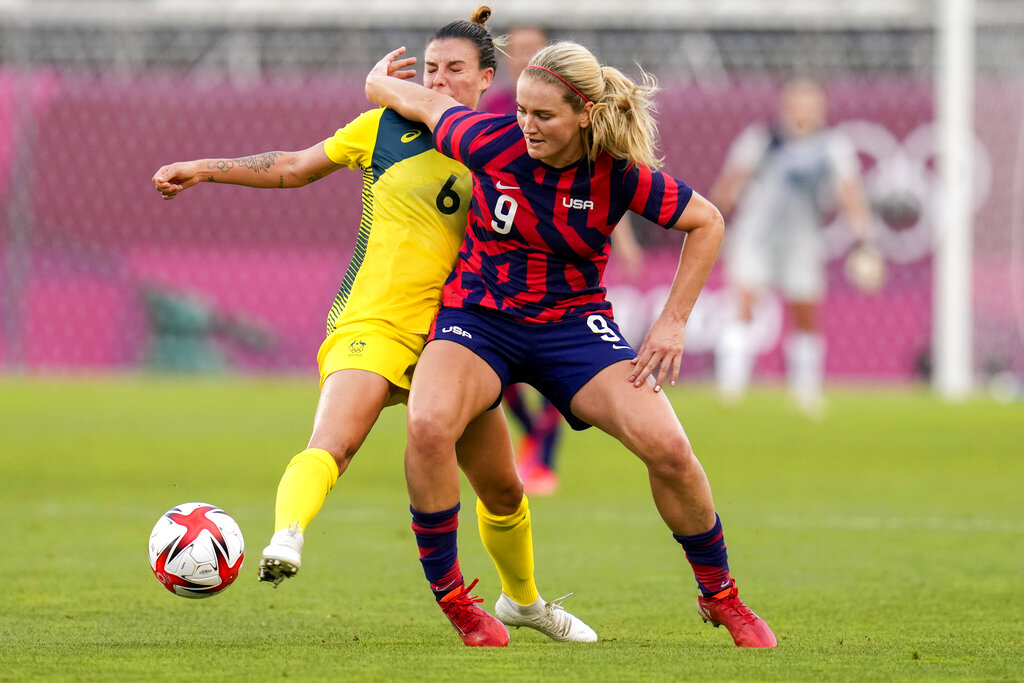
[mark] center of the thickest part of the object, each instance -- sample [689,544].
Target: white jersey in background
[776,236]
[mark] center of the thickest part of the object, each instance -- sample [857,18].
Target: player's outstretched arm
[725,191]
[855,209]
[663,346]
[388,85]
[268,169]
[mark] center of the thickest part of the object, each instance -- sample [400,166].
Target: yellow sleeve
[352,145]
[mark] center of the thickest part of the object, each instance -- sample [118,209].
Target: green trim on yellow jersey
[414,218]
[358,254]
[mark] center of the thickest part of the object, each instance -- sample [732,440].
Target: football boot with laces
[726,609]
[550,618]
[476,627]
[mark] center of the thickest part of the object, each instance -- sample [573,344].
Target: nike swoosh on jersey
[619,346]
[411,135]
[501,186]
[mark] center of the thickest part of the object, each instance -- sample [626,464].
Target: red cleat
[538,479]
[746,628]
[476,627]
[528,451]
[541,481]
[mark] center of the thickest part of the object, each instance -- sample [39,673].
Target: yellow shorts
[376,348]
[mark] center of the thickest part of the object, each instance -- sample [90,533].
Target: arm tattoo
[222,165]
[280,181]
[313,178]
[258,162]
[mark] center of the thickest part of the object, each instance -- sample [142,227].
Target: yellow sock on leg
[307,480]
[509,541]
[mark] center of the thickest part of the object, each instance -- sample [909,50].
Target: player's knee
[677,467]
[428,430]
[673,460]
[503,498]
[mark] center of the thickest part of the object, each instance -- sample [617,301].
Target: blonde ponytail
[621,120]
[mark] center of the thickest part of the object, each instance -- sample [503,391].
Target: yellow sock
[509,541]
[305,484]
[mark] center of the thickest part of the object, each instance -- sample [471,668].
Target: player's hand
[171,180]
[662,350]
[865,268]
[391,65]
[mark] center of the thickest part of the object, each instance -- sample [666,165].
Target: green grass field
[884,543]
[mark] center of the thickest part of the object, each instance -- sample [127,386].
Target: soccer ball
[196,550]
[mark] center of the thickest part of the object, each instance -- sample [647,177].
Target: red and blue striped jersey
[538,236]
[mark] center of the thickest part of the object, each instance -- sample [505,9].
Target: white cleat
[283,557]
[550,618]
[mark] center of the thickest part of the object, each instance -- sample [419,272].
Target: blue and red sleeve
[471,137]
[657,196]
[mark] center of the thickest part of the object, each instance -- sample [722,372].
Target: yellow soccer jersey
[415,201]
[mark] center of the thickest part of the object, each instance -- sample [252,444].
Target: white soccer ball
[196,550]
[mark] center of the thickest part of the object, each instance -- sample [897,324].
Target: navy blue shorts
[555,358]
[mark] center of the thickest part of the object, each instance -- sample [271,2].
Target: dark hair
[475,31]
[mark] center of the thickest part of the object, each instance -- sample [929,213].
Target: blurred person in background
[778,177]
[525,302]
[539,420]
[414,220]
[521,44]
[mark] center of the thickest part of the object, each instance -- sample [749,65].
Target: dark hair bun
[480,15]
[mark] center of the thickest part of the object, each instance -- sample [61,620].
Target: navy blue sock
[437,538]
[707,556]
[517,404]
[547,431]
